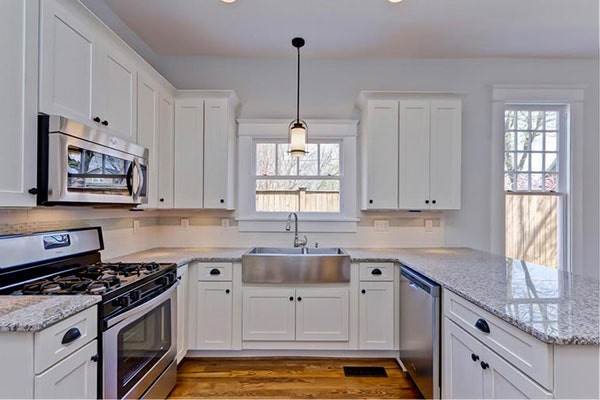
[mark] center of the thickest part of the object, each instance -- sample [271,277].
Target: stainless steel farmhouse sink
[295,265]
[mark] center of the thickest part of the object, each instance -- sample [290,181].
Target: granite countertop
[553,306]
[34,313]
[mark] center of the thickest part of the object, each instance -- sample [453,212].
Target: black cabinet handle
[426,201]
[370,201]
[95,358]
[474,357]
[215,271]
[71,335]
[105,123]
[484,365]
[222,201]
[33,191]
[434,201]
[291,298]
[162,199]
[299,298]
[482,325]
[97,119]
[363,291]
[227,291]
[376,271]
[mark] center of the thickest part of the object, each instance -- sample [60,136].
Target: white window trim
[573,97]
[251,131]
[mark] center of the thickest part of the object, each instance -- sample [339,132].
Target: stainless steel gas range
[137,315]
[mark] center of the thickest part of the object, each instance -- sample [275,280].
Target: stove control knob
[124,301]
[135,295]
[162,281]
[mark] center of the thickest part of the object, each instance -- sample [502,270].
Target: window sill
[305,225]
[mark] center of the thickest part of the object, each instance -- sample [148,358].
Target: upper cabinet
[205,144]
[18,101]
[411,151]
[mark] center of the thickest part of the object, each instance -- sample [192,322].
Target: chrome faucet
[297,241]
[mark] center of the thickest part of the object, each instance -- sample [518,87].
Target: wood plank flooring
[288,378]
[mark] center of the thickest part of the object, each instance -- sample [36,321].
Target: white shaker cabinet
[215,316]
[182,311]
[205,144]
[148,132]
[376,316]
[269,314]
[18,101]
[166,143]
[322,314]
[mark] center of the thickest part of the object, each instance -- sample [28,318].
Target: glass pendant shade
[298,137]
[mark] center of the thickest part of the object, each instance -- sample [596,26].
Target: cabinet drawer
[376,271]
[534,357]
[49,348]
[214,271]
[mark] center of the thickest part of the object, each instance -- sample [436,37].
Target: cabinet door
[446,133]
[166,141]
[182,309]
[147,136]
[461,364]
[503,381]
[75,377]
[322,314]
[213,324]
[114,91]
[189,147]
[413,186]
[18,101]
[66,52]
[216,154]
[376,316]
[268,314]
[382,155]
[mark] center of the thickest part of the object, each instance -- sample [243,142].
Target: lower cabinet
[288,314]
[376,316]
[182,311]
[472,371]
[75,377]
[215,316]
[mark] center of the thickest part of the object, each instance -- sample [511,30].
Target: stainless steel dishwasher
[420,331]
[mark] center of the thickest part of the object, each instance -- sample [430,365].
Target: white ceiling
[366,28]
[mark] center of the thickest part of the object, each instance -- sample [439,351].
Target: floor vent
[365,372]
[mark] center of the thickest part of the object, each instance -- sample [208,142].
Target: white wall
[329,88]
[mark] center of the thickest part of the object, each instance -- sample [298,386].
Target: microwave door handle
[135,185]
[140,177]
[129,179]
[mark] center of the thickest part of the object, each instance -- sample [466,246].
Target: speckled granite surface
[34,313]
[555,307]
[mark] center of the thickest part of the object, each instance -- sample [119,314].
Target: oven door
[80,171]
[139,345]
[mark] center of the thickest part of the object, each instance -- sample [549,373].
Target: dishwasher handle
[418,281]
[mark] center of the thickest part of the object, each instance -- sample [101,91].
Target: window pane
[522,140]
[509,120]
[551,161]
[551,141]
[509,181]
[297,195]
[265,159]
[522,120]
[286,164]
[537,162]
[537,120]
[309,163]
[330,159]
[551,183]
[537,141]
[537,182]
[523,182]
[509,161]
[551,120]
[522,162]
[509,141]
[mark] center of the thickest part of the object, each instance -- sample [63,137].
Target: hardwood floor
[288,378]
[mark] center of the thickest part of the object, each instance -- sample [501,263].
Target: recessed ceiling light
[391,1]
[228,1]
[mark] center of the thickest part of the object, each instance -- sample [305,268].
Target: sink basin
[295,265]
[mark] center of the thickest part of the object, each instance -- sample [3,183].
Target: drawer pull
[215,271]
[474,357]
[482,325]
[71,335]
[376,271]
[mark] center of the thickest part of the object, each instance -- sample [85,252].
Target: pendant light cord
[298,91]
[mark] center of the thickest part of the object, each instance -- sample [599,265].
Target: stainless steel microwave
[81,165]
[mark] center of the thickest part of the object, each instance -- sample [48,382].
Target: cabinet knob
[291,298]
[162,199]
[222,201]
[227,291]
[370,201]
[474,357]
[363,291]
[97,119]
[484,365]
[426,201]
[95,358]
[433,201]
[33,191]
[299,298]
[105,123]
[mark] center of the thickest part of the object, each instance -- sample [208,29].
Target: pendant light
[298,128]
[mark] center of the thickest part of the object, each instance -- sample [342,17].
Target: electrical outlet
[381,225]
[185,223]
[428,225]
[224,223]
[136,225]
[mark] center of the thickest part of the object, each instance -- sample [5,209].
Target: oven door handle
[141,309]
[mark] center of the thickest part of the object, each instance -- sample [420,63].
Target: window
[535,182]
[321,187]
[289,184]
